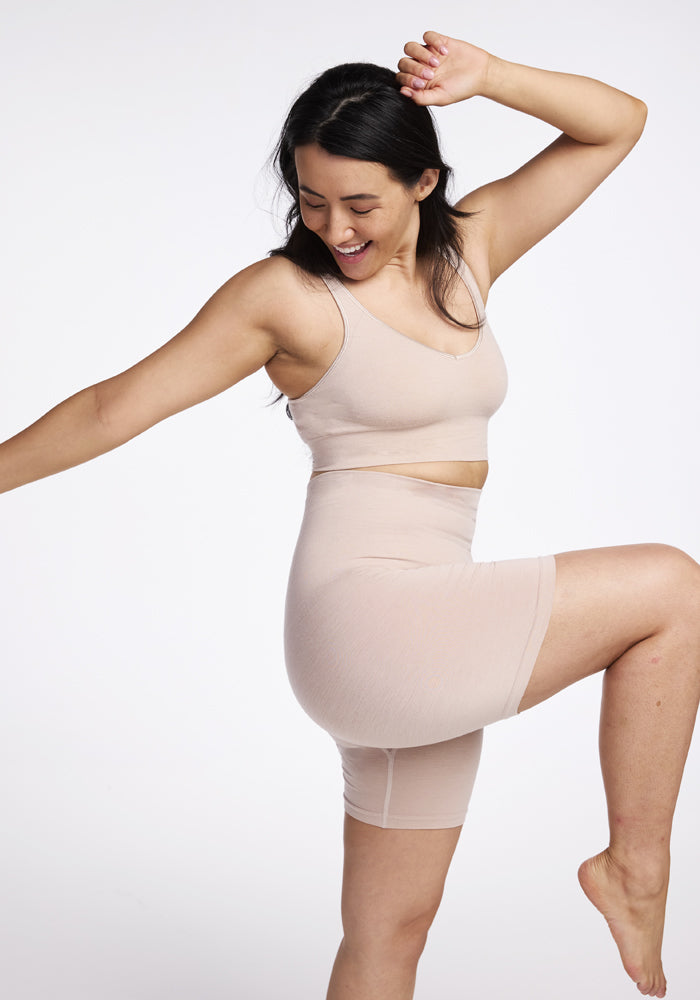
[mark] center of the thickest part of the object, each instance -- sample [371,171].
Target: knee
[398,937]
[677,579]
[676,568]
[414,932]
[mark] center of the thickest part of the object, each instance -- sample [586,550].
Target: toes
[652,989]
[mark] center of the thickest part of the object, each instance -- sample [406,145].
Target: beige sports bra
[389,399]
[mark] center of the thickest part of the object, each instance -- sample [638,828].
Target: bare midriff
[470,474]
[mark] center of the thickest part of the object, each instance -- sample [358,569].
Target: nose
[339,229]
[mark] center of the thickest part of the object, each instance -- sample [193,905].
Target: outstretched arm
[599,126]
[229,338]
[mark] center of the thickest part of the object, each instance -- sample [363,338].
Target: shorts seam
[390,758]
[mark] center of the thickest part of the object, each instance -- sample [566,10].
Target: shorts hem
[405,822]
[538,630]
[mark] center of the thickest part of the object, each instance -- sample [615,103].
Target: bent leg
[393,881]
[634,611]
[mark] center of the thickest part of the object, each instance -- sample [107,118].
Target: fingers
[410,84]
[420,63]
[438,42]
[420,91]
[410,67]
[422,54]
[422,97]
[413,77]
[430,54]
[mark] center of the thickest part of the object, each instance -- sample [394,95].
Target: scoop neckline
[446,354]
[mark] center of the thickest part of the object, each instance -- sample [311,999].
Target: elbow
[638,119]
[630,126]
[101,405]
[110,413]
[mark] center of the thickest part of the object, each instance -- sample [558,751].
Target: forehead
[331,175]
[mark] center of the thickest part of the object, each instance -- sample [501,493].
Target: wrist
[494,70]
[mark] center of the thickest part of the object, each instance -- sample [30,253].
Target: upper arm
[517,211]
[232,336]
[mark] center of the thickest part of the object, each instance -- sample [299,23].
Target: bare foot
[635,916]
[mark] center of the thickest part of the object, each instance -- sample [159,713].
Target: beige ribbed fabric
[388,398]
[396,642]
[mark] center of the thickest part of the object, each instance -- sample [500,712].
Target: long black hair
[357,110]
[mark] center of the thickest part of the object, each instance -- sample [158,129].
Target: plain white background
[171,820]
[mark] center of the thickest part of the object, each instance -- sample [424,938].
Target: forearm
[585,109]
[69,434]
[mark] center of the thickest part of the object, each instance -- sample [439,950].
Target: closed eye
[365,212]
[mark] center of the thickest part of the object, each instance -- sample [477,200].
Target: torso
[313,336]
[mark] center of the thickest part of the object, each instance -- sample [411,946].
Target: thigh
[392,879]
[605,601]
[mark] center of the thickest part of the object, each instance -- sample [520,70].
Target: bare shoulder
[287,301]
[475,247]
[262,290]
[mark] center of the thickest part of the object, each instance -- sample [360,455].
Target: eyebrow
[348,197]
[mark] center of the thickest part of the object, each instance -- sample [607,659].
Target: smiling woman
[374,236]
[384,605]
[353,118]
[371,319]
[368,183]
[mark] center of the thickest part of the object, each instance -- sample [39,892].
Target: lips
[348,251]
[357,251]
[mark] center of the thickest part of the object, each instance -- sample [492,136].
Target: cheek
[310,219]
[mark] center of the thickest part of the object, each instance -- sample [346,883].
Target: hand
[442,71]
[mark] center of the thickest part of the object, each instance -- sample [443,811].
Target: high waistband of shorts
[394,480]
[389,515]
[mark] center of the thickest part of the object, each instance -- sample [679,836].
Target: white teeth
[349,250]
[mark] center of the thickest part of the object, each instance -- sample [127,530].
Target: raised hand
[442,71]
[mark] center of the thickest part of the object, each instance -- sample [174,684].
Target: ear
[426,185]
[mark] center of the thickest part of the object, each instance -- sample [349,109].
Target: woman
[371,320]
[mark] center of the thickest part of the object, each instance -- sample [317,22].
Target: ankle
[641,870]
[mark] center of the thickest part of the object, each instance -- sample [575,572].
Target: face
[366,218]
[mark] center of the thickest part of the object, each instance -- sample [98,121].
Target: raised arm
[599,126]
[232,336]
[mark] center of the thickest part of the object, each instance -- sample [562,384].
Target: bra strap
[337,289]
[470,282]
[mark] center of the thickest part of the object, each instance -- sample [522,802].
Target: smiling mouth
[353,251]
